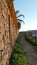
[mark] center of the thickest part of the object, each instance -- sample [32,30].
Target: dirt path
[31,54]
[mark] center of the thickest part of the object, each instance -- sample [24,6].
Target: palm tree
[18,18]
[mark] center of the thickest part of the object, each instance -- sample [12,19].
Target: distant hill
[34,32]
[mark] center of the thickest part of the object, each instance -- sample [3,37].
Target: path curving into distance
[31,54]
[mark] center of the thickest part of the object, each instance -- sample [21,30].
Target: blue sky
[29,9]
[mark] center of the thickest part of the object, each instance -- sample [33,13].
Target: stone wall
[8,32]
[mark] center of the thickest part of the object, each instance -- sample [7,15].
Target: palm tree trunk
[8,33]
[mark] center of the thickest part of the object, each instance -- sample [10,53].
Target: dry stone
[8,33]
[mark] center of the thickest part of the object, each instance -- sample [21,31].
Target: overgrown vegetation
[32,40]
[18,55]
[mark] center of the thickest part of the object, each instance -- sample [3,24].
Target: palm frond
[21,21]
[21,15]
[17,11]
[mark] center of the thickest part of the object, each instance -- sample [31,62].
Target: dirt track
[31,54]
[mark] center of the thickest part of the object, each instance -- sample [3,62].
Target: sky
[29,9]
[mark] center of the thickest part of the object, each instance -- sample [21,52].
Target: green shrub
[32,41]
[18,54]
[35,47]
